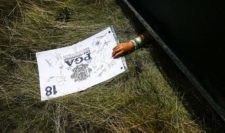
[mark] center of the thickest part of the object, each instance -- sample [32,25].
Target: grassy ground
[140,100]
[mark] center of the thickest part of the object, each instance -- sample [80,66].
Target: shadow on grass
[193,101]
[191,98]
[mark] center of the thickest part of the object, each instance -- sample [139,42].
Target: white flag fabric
[80,66]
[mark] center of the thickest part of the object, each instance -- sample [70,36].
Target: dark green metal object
[192,33]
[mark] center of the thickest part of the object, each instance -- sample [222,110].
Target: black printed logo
[78,59]
[81,72]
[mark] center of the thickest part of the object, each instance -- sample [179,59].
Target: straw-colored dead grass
[140,100]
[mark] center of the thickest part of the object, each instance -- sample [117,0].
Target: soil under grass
[140,100]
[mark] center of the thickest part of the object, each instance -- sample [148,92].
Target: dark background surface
[194,31]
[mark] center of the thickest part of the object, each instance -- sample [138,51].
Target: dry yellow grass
[140,100]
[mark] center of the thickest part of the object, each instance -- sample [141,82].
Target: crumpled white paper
[80,66]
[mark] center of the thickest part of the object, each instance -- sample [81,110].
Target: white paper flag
[75,68]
